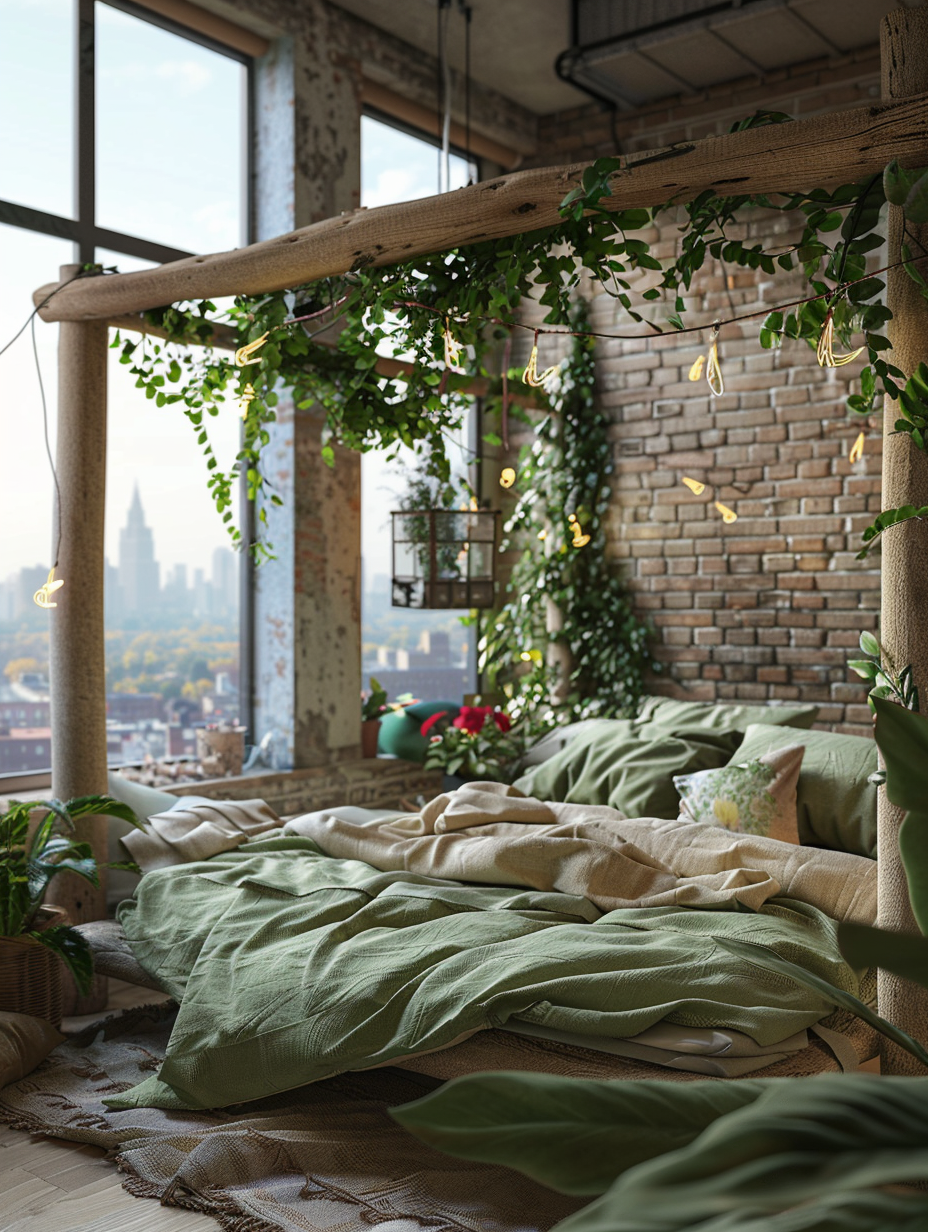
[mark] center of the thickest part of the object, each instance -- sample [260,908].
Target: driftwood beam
[827,149]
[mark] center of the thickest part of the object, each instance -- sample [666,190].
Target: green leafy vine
[558,526]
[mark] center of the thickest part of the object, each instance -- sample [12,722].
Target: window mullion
[85,187]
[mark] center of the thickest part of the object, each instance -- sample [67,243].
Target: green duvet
[291,967]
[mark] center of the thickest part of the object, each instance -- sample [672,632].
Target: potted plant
[478,744]
[373,704]
[34,937]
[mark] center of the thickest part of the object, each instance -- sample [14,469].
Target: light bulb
[507,477]
[694,485]
[48,588]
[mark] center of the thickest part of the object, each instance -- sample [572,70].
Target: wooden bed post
[903,625]
[77,663]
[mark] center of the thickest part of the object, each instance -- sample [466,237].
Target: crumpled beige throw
[491,833]
[183,835]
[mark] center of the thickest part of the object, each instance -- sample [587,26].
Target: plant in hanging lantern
[480,743]
[28,863]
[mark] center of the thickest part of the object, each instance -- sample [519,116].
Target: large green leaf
[572,1134]
[761,956]
[902,736]
[73,951]
[798,1146]
[863,946]
[105,806]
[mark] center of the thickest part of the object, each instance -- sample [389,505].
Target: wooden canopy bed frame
[826,149]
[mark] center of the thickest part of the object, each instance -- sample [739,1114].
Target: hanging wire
[48,448]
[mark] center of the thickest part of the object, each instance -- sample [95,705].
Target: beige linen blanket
[490,833]
[190,832]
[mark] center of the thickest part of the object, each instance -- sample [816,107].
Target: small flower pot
[370,733]
[221,752]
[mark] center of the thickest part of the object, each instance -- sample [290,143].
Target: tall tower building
[138,570]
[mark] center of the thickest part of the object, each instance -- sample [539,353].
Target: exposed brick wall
[768,607]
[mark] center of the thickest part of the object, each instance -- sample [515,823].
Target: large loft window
[84,178]
[427,653]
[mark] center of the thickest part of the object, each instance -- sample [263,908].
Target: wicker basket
[30,975]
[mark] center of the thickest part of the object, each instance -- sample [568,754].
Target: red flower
[502,720]
[430,723]
[472,718]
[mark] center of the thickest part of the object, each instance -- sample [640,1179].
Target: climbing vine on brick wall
[558,528]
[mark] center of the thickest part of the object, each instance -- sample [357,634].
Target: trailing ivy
[558,527]
[461,304]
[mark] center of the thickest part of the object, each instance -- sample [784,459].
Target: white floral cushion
[758,797]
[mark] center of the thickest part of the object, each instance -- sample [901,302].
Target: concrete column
[308,601]
[903,631]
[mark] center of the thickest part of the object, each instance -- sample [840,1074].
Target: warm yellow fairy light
[474,507]
[248,396]
[695,373]
[42,595]
[694,485]
[571,517]
[507,477]
[526,656]
[581,540]
[857,449]
[824,352]
[243,356]
[713,370]
[542,534]
[728,515]
[531,375]
[452,351]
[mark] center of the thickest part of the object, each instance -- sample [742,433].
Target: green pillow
[835,805]
[399,734]
[619,763]
[720,723]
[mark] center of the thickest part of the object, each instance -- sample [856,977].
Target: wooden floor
[47,1185]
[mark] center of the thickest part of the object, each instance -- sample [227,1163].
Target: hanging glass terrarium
[444,558]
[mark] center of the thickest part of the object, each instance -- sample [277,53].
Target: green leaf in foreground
[761,956]
[799,1158]
[73,951]
[573,1135]
[906,956]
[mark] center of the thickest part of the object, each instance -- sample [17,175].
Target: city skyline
[134,585]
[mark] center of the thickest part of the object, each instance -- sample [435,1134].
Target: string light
[713,370]
[42,596]
[507,477]
[728,515]
[857,449]
[694,485]
[695,373]
[248,396]
[542,534]
[580,540]
[531,375]
[243,356]
[824,352]
[452,352]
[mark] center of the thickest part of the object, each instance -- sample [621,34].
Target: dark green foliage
[28,864]
[566,473]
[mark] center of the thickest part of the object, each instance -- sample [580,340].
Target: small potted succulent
[33,936]
[478,744]
[373,705]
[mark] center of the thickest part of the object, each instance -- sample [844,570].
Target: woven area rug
[324,1158]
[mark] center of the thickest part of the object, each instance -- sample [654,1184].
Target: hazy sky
[169,169]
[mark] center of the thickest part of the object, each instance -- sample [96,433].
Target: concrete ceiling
[515,43]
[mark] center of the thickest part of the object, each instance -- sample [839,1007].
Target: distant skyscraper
[138,569]
[225,583]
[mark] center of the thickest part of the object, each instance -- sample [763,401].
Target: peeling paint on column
[308,600]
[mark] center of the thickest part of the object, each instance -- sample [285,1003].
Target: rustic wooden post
[903,627]
[77,663]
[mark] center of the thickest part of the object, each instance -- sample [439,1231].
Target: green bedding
[291,967]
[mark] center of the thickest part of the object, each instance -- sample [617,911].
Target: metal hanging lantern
[444,558]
